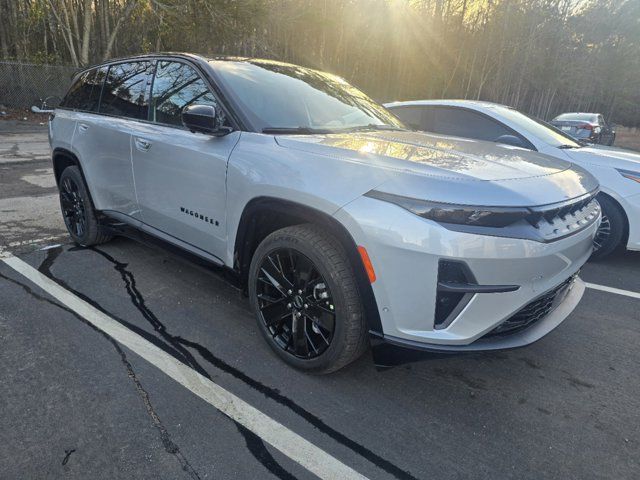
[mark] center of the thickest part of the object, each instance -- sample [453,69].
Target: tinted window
[462,123]
[125,90]
[411,116]
[175,87]
[85,92]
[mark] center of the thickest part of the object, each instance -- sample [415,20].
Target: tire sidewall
[277,241]
[616,220]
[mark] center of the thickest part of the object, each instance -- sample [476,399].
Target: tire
[78,212]
[330,283]
[613,139]
[614,220]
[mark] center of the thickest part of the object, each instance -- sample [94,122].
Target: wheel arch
[616,203]
[63,158]
[264,215]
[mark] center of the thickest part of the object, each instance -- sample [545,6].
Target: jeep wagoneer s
[342,224]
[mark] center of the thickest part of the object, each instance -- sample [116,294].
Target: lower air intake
[534,311]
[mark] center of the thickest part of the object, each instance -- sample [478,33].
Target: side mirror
[204,119]
[511,140]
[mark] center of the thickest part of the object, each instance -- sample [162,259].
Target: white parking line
[311,457]
[617,291]
[22,243]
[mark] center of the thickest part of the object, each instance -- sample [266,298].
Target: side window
[176,86]
[410,116]
[85,92]
[458,122]
[125,90]
[601,121]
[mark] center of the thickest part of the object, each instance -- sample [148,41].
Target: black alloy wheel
[73,208]
[306,299]
[80,217]
[295,303]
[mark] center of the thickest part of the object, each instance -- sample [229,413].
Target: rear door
[124,105]
[181,176]
[104,139]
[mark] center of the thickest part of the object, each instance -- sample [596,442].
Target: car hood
[606,156]
[497,174]
[432,155]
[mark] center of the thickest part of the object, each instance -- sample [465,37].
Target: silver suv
[342,224]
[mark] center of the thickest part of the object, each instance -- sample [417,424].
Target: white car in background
[617,170]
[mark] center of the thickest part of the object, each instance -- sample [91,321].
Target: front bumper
[406,250]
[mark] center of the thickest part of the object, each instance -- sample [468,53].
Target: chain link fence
[26,84]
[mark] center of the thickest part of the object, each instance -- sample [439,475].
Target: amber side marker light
[366,261]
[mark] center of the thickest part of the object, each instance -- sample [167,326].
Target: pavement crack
[258,448]
[269,392]
[138,301]
[67,454]
[169,446]
[45,269]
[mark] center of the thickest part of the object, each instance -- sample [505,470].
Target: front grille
[534,311]
[560,220]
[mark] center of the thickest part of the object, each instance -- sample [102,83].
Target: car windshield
[583,117]
[532,126]
[277,95]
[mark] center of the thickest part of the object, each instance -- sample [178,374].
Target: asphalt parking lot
[75,403]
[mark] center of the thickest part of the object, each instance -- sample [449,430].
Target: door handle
[142,144]
[83,127]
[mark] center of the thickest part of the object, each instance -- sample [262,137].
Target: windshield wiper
[295,130]
[565,147]
[374,126]
[311,131]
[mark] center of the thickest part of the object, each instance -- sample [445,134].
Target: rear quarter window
[125,92]
[84,94]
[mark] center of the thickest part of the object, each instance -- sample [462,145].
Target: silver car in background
[341,224]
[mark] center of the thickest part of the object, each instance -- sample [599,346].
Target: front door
[180,176]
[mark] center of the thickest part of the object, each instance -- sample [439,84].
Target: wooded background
[541,56]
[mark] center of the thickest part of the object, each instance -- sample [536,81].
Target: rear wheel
[611,230]
[303,291]
[78,213]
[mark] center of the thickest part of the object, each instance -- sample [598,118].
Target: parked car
[618,171]
[340,221]
[588,127]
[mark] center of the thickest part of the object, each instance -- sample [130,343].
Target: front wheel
[304,294]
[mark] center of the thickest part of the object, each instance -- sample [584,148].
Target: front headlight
[635,176]
[457,214]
